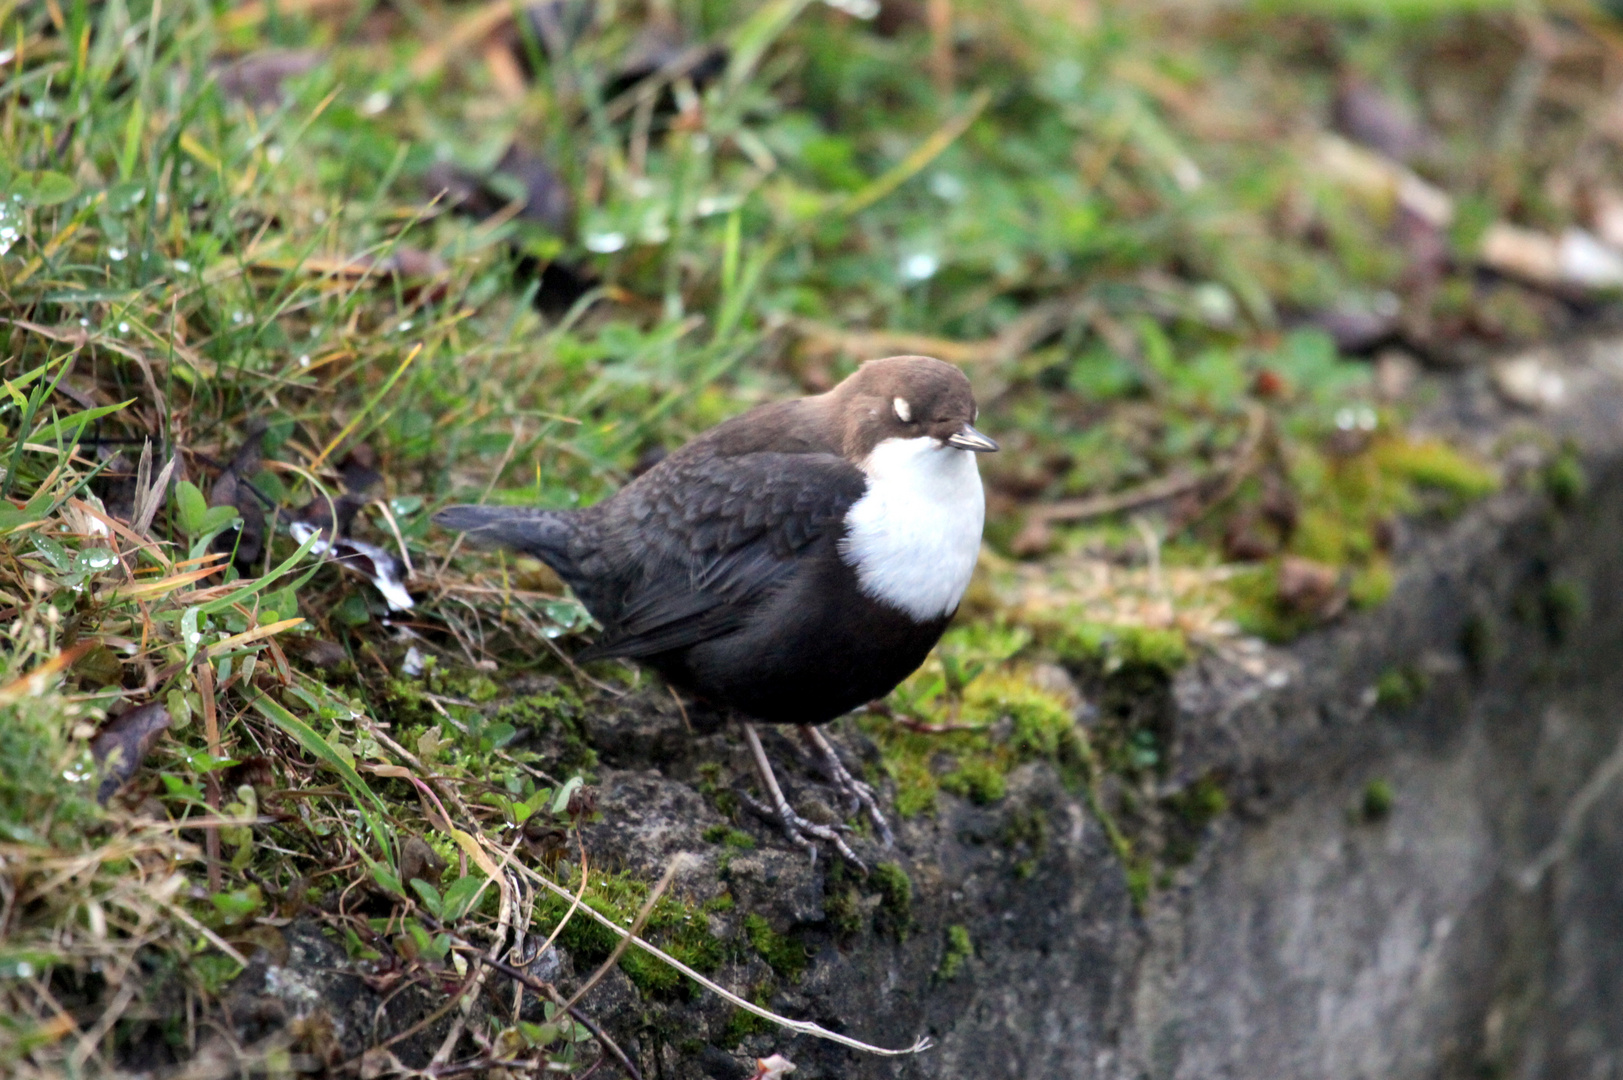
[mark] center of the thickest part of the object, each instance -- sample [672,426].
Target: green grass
[188,269]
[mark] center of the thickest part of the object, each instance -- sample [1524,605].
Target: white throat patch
[914,536]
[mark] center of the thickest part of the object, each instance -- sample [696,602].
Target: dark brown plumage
[734,567]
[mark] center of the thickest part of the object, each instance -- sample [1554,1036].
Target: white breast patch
[913,538]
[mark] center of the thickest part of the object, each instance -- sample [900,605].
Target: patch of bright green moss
[957,952]
[842,901]
[731,837]
[1348,502]
[678,927]
[1258,610]
[742,1024]
[1564,478]
[1434,465]
[1156,649]
[1042,722]
[558,711]
[1378,800]
[1026,836]
[909,765]
[998,721]
[1372,584]
[895,913]
[1201,802]
[976,779]
[783,953]
[1400,687]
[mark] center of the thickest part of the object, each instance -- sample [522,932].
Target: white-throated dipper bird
[792,563]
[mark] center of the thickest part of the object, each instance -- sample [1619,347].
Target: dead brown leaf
[123,743]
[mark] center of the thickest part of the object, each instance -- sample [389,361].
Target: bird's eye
[904,411]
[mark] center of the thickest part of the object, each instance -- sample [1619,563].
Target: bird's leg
[794,826]
[857,793]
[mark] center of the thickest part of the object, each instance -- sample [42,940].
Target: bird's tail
[542,533]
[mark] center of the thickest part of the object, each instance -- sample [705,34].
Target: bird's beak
[972,440]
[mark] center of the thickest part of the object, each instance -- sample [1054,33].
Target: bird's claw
[797,828]
[857,794]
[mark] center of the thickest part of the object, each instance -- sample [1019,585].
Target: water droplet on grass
[920,266]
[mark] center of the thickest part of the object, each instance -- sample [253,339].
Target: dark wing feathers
[718,535]
[687,551]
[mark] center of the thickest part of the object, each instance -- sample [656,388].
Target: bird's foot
[857,794]
[795,827]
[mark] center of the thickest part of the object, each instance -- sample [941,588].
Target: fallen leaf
[661,48]
[1310,588]
[256,79]
[520,176]
[378,1062]
[234,488]
[123,743]
[357,475]
[323,654]
[1372,118]
[1243,541]
[261,937]
[99,666]
[547,844]
[1358,329]
[421,862]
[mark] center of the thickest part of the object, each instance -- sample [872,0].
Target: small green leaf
[358,949]
[429,895]
[12,517]
[315,745]
[54,553]
[180,709]
[191,507]
[218,517]
[572,785]
[47,188]
[282,604]
[461,895]
[538,1035]
[389,882]
[239,904]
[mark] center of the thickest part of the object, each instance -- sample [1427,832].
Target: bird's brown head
[907,397]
